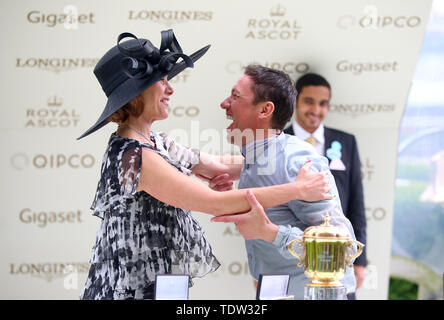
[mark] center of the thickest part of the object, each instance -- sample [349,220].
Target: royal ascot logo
[182,77]
[56,65]
[291,68]
[231,231]
[42,219]
[372,19]
[70,18]
[274,27]
[169,17]
[21,161]
[53,115]
[48,271]
[355,110]
[367,169]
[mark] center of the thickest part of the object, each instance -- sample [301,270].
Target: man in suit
[312,104]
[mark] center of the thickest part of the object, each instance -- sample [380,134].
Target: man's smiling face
[239,107]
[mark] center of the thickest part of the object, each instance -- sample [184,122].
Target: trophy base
[324,293]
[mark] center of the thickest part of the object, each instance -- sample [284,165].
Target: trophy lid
[326,230]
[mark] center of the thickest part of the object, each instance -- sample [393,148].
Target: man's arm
[211,166]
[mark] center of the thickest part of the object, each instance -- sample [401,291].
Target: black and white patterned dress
[140,236]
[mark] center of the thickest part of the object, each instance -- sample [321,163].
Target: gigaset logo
[69,17]
[43,218]
[20,161]
[276,27]
[358,68]
[52,116]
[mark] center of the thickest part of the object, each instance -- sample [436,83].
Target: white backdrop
[366,49]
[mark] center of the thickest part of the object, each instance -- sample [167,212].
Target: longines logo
[54,115]
[292,68]
[56,65]
[360,109]
[48,271]
[20,161]
[170,17]
[373,19]
[43,218]
[69,17]
[274,27]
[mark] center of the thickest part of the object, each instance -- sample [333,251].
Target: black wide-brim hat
[132,66]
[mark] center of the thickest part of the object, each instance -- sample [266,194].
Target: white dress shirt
[318,135]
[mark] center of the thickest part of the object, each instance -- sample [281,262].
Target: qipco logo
[237,67]
[21,161]
[181,111]
[372,20]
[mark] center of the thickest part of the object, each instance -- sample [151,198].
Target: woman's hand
[313,186]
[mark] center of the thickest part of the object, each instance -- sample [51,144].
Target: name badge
[334,154]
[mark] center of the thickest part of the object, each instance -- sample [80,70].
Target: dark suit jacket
[349,183]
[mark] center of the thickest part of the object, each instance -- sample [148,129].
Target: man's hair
[275,86]
[311,79]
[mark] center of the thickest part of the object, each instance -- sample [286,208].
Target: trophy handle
[298,256]
[357,254]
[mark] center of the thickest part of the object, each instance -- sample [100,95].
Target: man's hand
[313,186]
[221,182]
[253,224]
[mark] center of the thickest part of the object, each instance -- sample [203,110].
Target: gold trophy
[325,259]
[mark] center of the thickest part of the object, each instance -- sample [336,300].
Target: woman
[145,193]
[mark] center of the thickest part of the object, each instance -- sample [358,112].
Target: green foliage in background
[400,289]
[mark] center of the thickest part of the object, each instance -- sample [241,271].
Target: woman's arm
[165,183]
[211,166]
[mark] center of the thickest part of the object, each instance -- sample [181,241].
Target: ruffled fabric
[141,236]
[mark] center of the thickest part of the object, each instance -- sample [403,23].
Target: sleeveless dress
[140,236]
